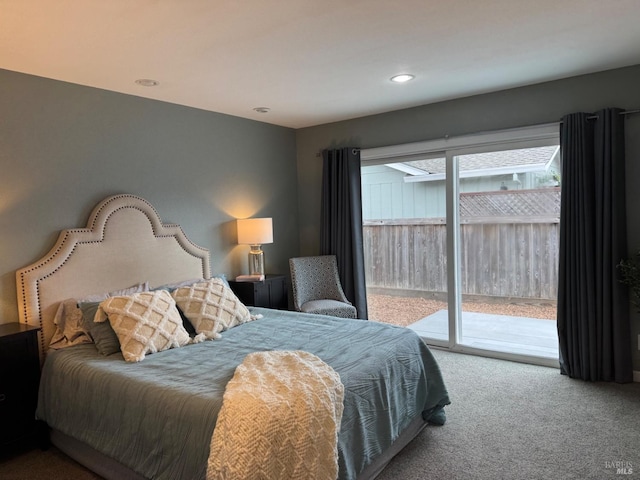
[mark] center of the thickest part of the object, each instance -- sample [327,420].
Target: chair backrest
[315,278]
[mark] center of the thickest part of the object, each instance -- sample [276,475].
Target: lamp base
[256,260]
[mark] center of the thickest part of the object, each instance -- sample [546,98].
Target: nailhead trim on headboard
[29,280]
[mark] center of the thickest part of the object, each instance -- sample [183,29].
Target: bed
[155,418]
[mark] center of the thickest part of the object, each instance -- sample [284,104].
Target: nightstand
[270,293]
[19,381]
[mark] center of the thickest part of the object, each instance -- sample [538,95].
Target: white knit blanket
[280,419]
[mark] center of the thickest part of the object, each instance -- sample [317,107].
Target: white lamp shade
[255,231]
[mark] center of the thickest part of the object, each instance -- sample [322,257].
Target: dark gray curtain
[593,307]
[341,221]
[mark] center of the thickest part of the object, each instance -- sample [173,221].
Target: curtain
[593,308]
[341,221]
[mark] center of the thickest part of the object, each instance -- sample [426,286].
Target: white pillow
[211,307]
[147,322]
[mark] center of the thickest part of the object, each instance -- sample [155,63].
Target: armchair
[316,287]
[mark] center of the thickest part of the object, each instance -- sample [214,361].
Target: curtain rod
[624,112]
[353,151]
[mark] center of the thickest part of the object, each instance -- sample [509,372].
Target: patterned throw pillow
[211,307]
[147,322]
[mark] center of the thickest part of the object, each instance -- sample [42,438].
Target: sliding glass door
[405,238]
[461,243]
[508,222]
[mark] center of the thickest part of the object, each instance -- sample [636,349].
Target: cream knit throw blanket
[280,419]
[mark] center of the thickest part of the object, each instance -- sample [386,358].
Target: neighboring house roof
[482,164]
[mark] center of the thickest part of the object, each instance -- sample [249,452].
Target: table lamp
[255,232]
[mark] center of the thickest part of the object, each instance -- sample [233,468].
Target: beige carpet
[36,464]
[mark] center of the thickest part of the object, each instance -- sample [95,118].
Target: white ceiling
[315,61]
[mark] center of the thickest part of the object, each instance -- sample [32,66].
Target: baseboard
[636,376]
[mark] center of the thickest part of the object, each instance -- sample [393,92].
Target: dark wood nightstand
[19,381]
[270,293]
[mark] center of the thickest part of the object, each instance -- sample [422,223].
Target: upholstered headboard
[124,243]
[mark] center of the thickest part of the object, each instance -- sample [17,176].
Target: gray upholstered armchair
[316,287]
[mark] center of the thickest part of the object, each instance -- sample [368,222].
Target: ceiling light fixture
[402,78]
[262,109]
[146,82]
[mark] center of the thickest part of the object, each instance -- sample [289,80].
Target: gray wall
[537,104]
[65,147]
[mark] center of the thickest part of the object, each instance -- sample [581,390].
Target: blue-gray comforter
[157,416]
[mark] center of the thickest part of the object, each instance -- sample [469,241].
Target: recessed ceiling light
[146,82]
[262,109]
[402,78]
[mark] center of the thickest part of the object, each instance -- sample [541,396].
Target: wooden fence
[500,257]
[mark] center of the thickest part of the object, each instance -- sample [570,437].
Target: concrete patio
[503,333]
